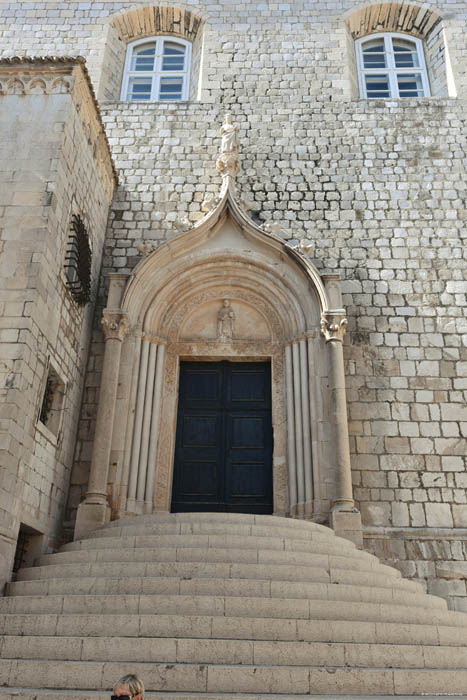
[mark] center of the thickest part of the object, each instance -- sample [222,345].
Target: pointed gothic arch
[168,311]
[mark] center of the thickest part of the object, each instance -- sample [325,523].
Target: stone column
[345,518]
[94,510]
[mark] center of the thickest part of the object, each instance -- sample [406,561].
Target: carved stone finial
[182,224]
[228,162]
[225,322]
[209,202]
[333,326]
[115,325]
[146,248]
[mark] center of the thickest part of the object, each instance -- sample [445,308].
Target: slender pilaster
[138,427]
[154,439]
[298,428]
[293,498]
[136,356]
[94,509]
[146,426]
[345,518]
[307,462]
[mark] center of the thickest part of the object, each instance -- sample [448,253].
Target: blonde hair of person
[133,683]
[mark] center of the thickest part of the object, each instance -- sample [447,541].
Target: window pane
[373,54]
[410,85]
[405,54]
[143,58]
[139,89]
[377,86]
[173,58]
[171,89]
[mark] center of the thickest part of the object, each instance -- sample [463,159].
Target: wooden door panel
[246,432]
[223,456]
[198,480]
[200,431]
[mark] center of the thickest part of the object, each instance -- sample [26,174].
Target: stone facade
[372,189]
[52,167]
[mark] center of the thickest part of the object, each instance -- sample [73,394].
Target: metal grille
[47,401]
[78,262]
[21,549]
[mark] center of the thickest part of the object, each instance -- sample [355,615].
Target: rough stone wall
[375,188]
[49,172]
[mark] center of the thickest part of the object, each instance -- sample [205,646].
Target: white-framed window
[391,65]
[157,69]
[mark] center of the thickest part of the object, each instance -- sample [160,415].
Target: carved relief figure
[225,322]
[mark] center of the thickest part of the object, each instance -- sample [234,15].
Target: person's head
[129,687]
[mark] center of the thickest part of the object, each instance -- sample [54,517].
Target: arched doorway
[224,291]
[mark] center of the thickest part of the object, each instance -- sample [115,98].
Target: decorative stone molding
[415,20]
[115,325]
[150,21]
[333,326]
[26,85]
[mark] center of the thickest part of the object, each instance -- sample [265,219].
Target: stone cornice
[25,75]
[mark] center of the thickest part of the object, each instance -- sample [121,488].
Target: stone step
[223,541]
[232,651]
[217,627]
[118,569]
[177,542]
[336,546]
[225,678]
[332,606]
[339,585]
[138,529]
[191,585]
[322,568]
[61,694]
[234,522]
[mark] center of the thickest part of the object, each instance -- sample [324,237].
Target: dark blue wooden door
[223,453]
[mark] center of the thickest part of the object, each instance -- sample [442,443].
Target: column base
[347,524]
[302,511]
[91,515]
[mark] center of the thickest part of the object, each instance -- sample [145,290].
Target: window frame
[391,70]
[157,73]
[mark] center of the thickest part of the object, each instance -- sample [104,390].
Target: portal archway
[170,310]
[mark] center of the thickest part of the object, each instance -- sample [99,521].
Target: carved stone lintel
[333,325]
[115,325]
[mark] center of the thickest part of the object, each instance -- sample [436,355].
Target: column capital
[115,325]
[333,325]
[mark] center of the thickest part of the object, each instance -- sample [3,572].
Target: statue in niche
[225,322]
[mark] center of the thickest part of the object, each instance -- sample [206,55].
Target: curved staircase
[224,605]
